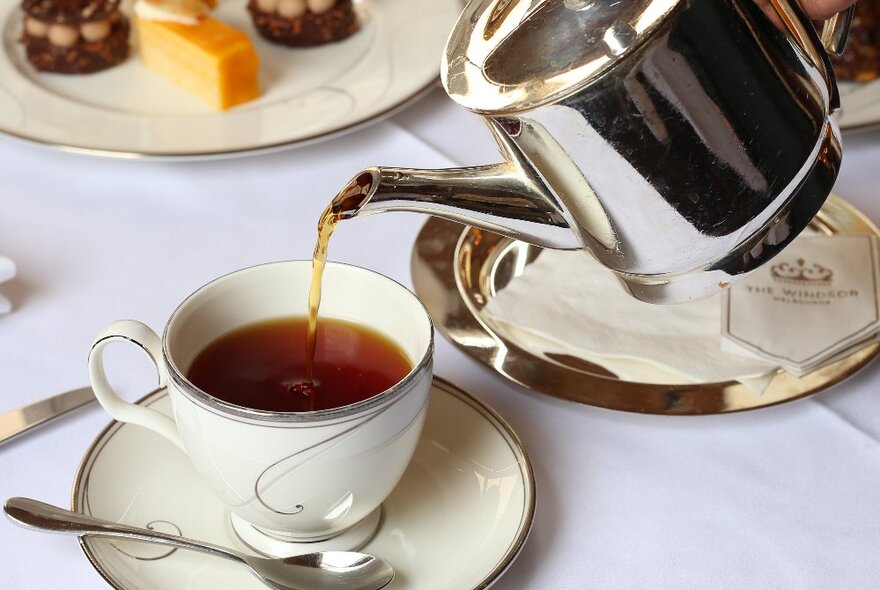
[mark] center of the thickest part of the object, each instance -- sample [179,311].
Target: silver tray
[457,270]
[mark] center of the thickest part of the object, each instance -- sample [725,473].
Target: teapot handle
[835,31]
[833,38]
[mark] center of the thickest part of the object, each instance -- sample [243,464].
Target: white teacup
[286,477]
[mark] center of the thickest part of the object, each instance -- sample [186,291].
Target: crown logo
[816,274]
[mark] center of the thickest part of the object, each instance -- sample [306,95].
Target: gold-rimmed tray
[457,270]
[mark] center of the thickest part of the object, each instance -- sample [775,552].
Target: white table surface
[786,497]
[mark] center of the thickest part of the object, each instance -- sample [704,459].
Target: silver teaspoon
[339,570]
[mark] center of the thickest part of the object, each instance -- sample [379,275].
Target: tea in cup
[292,463]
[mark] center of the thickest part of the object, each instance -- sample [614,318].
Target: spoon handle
[35,514]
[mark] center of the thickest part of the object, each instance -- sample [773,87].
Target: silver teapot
[683,143]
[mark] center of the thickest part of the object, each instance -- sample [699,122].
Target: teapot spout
[499,198]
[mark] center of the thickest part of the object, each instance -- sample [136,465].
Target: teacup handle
[143,336]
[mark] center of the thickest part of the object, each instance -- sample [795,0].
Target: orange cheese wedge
[211,59]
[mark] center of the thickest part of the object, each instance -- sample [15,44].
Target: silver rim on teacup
[210,402]
[273,481]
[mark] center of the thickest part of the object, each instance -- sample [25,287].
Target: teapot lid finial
[505,56]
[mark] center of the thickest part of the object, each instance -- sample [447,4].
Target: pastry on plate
[209,58]
[74,36]
[303,23]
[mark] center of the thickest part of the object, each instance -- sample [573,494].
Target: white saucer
[458,518]
[309,94]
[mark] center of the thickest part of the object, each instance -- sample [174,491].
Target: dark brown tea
[264,365]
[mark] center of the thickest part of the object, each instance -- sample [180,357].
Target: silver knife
[16,422]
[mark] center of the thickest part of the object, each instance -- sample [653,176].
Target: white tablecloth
[787,497]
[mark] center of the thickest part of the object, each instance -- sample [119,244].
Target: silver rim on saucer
[233,153]
[79,497]
[456,271]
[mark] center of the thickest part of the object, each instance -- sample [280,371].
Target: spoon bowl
[337,570]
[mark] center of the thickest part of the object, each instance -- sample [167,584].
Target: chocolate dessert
[860,61]
[303,23]
[74,36]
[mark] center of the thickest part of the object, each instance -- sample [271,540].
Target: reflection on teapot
[683,143]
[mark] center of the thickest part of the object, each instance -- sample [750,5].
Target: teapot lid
[511,55]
